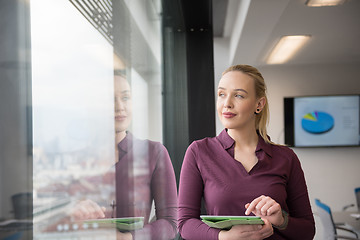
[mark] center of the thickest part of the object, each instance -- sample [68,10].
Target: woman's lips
[228,115]
[120,118]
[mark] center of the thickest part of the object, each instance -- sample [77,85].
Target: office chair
[357,195]
[15,236]
[330,228]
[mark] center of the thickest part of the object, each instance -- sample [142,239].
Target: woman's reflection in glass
[143,175]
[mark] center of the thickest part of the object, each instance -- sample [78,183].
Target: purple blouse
[144,173]
[210,171]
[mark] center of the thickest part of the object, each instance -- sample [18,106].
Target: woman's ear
[260,105]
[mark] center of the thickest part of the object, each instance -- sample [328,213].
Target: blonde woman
[241,172]
[143,174]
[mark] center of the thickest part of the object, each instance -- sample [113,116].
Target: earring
[257,111]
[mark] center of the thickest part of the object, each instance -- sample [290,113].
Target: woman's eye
[221,94]
[239,96]
[125,98]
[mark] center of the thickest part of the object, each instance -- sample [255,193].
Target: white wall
[331,173]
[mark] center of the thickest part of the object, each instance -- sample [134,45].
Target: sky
[72,77]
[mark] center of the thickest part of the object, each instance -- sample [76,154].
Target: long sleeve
[144,174]
[191,189]
[163,191]
[301,221]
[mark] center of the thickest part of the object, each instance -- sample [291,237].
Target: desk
[345,218]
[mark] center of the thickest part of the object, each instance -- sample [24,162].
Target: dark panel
[175,112]
[200,68]
[289,121]
[188,75]
[201,97]
[197,14]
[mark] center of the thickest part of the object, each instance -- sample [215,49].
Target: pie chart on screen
[317,122]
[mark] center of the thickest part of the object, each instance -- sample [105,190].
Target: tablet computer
[126,224]
[226,222]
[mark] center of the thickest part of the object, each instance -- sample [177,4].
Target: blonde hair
[262,118]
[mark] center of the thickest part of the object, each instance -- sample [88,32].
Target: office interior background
[57,60]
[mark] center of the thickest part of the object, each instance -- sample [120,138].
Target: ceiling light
[286,48]
[322,3]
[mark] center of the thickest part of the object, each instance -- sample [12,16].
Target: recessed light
[286,48]
[322,3]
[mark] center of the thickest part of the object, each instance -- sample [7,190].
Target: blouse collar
[227,142]
[127,143]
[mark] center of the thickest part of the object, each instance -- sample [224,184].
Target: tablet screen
[130,223]
[225,222]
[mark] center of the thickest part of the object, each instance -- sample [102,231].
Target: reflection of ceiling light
[322,3]
[118,63]
[286,48]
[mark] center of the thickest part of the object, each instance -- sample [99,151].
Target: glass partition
[91,59]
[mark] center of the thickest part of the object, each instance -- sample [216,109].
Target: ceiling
[252,28]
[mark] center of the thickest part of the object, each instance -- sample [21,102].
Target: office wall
[331,173]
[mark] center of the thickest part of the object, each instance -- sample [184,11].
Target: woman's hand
[87,209]
[247,232]
[124,236]
[266,208]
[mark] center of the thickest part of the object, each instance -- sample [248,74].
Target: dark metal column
[188,77]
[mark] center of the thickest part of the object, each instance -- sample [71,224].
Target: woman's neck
[119,136]
[244,138]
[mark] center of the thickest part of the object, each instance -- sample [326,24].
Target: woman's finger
[267,229]
[252,205]
[269,202]
[87,210]
[273,209]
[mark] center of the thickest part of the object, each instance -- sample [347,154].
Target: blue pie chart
[317,122]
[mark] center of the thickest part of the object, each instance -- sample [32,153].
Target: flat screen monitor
[322,121]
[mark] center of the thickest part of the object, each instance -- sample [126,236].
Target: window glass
[78,49]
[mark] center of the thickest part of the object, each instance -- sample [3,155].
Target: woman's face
[123,104]
[236,101]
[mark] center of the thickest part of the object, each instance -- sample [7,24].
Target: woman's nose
[119,105]
[228,103]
